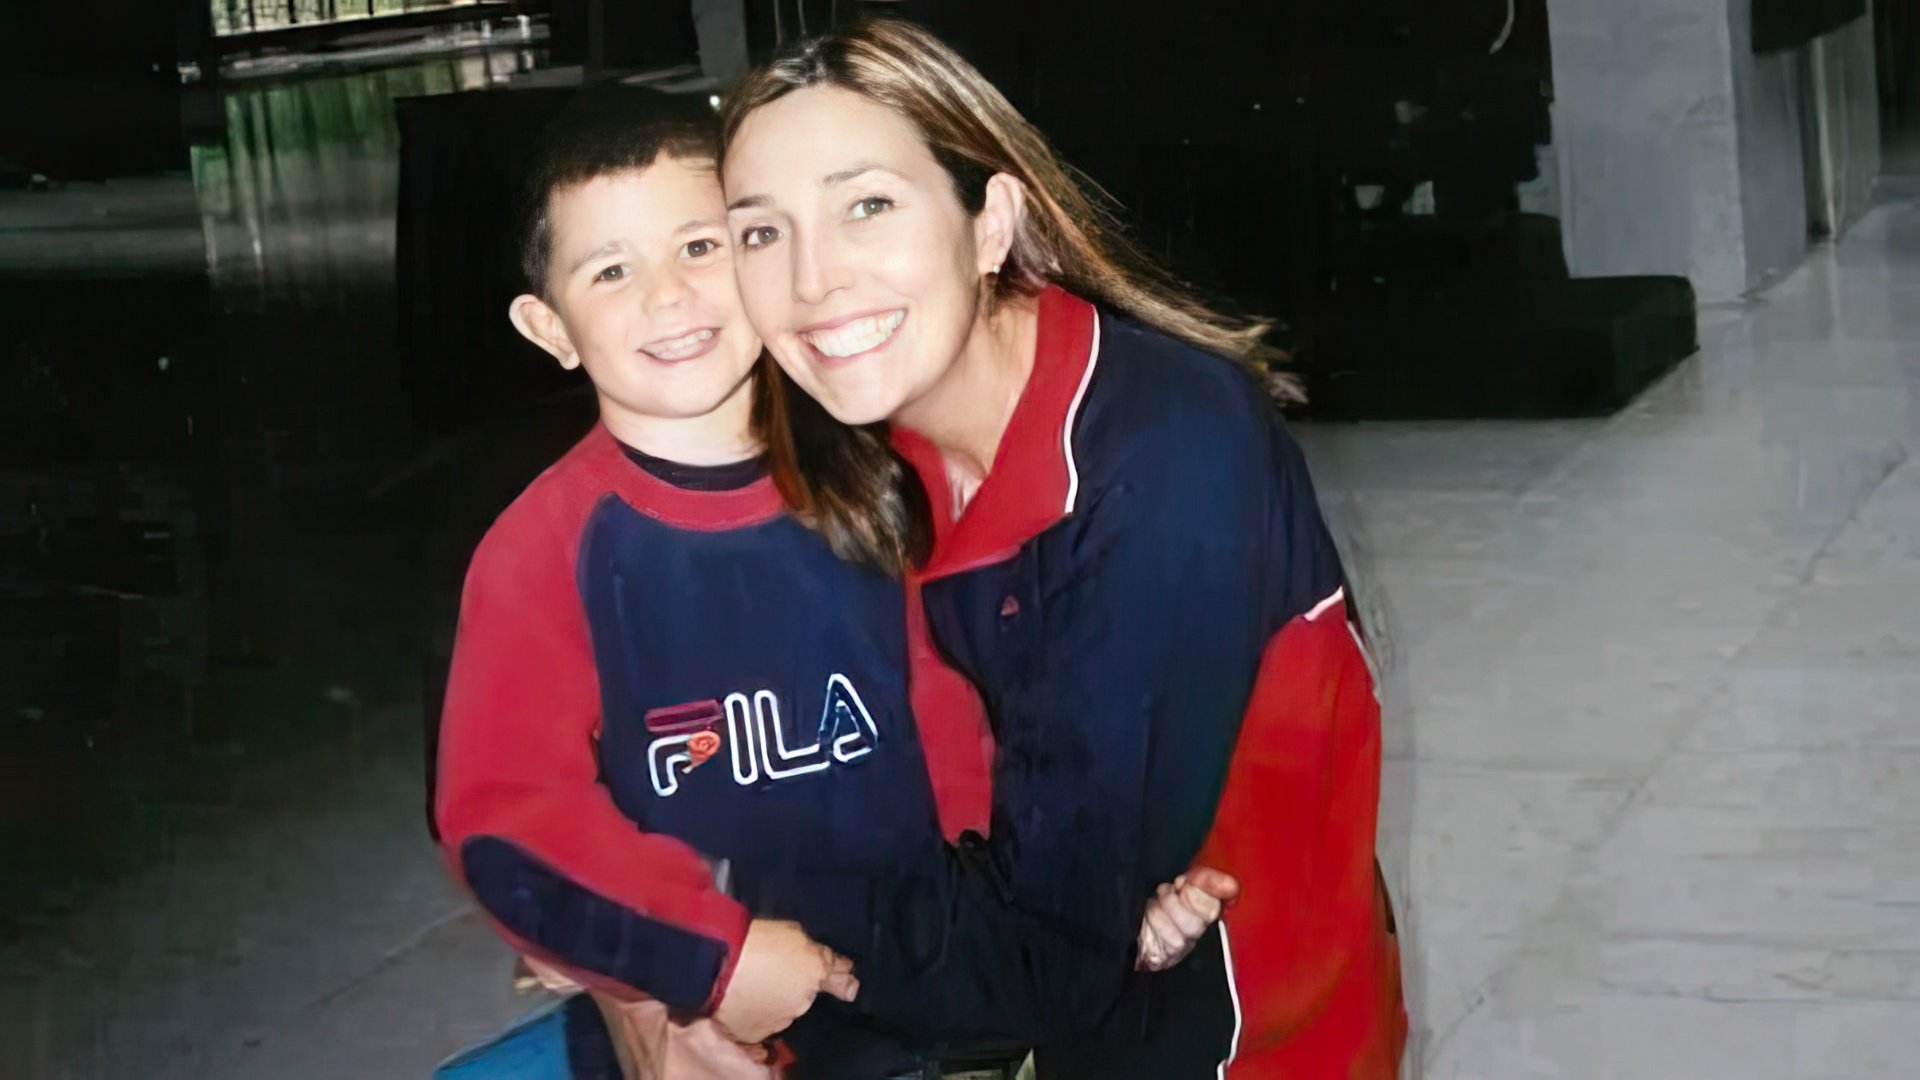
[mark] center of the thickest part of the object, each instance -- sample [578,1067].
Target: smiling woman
[865,276]
[880,149]
[1128,559]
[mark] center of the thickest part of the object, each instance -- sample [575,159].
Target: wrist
[739,923]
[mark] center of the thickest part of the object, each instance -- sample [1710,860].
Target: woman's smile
[854,336]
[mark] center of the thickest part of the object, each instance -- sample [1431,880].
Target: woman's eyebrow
[858,168]
[832,179]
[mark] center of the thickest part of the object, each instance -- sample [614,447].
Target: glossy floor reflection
[1655,758]
[213,354]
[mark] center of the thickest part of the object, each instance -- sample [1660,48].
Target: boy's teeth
[678,347]
[858,336]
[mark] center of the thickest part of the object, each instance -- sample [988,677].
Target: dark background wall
[91,87]
[1235,161]
[1348,169]
[1784,24]
[1897,37]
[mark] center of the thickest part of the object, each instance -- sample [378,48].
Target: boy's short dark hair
[607,129]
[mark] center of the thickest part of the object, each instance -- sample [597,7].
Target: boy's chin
[686,406]
[667,397]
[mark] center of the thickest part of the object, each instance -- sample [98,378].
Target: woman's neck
[966,413]
[719,437]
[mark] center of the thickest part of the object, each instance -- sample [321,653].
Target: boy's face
[641,292]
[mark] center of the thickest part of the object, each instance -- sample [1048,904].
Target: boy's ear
[539,323]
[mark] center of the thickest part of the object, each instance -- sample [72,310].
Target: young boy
[677,725]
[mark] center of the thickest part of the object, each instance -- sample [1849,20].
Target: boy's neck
[719,437]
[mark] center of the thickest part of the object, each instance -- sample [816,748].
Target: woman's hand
[780,972]
[1180,913]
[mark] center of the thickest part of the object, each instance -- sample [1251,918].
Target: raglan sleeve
[526,825]
[1296,821]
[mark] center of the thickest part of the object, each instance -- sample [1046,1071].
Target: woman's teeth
[679,348]
[856,337]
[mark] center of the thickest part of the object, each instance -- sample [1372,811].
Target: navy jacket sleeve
[1153,639]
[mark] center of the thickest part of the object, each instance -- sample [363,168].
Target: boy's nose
[667,290]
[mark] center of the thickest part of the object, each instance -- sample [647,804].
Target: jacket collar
[706,511]
[1034,481]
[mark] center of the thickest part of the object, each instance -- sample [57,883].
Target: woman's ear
[998,221]
[539,323]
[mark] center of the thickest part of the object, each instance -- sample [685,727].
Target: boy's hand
[780,972]
[555,981]
[1181,912]
[651,1045]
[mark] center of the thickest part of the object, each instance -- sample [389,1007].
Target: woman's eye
[698,248]
[759,236]
[871,205]
[612,273]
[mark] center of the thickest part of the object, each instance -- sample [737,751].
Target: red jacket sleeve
[525,823]
[1313,966]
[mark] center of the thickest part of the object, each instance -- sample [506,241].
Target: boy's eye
[759,236]
[612,273]
[869,206]
[696,249]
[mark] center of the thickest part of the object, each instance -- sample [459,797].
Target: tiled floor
[1655,777]
[1653,801]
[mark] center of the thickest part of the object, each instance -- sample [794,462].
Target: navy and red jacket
[655,688]
[1145,592]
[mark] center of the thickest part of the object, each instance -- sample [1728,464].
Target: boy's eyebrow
[607,248]
[700,223]
[746,202]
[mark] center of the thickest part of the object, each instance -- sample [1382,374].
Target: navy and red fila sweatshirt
[656,688]
[1145,592]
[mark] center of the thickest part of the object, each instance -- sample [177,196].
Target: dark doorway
[1897,36]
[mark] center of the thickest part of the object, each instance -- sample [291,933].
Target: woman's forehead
[815,135]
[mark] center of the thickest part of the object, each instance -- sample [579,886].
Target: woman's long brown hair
[1067,236]
[846,483]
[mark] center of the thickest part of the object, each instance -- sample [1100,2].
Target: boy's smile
[683,347]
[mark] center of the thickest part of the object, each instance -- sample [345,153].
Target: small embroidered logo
[1009,607]
[700,747]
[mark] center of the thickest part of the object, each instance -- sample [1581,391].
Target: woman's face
[857,263]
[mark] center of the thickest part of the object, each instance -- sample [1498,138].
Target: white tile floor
[1654,796]
[1653,799]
